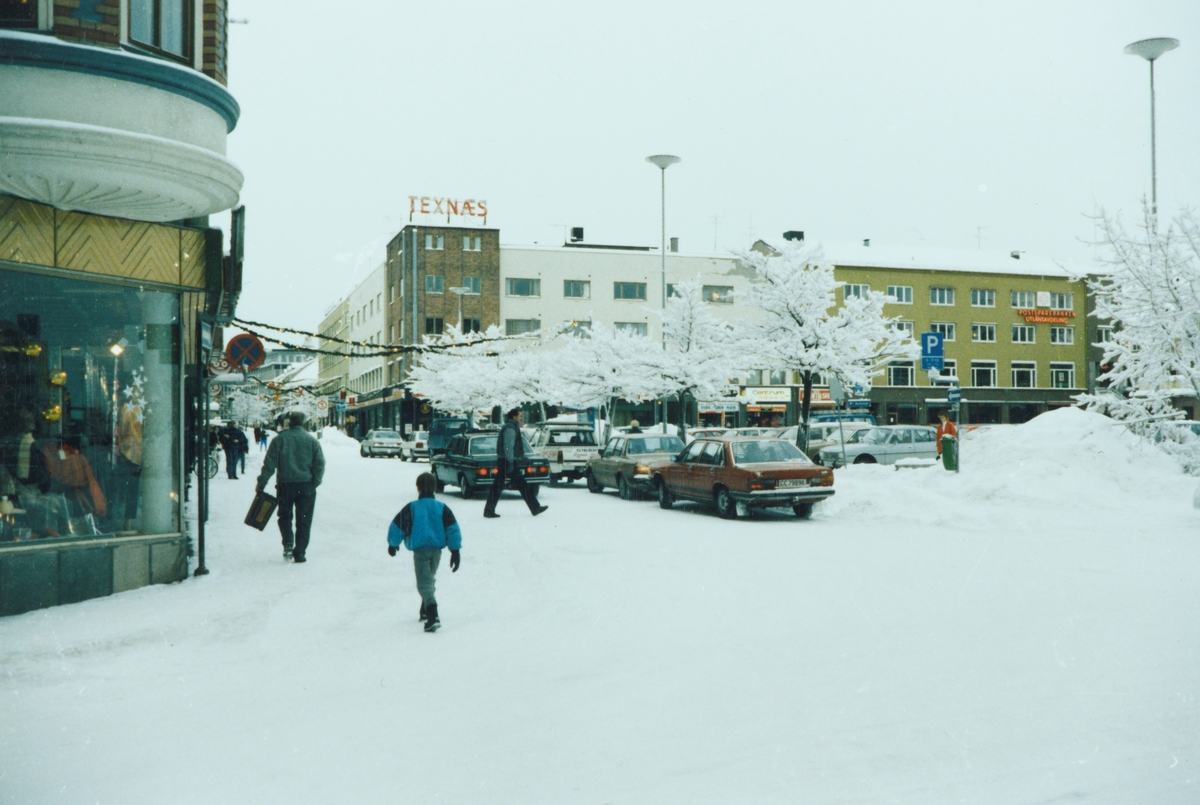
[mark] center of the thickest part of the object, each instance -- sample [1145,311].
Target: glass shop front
[90,397]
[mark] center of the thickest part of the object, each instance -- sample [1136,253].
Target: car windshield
[655,444]
[870,436]
[572,437]
[761,452]
[421,434]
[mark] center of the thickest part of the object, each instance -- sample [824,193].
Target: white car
[415,446]
[380,442]
[567,447]
[825,434]
[884,444]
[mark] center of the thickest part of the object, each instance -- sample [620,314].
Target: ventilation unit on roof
[674,244]
[793,234]
[866,241]
[1015,255]
[576,234]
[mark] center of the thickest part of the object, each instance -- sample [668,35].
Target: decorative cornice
[45,52]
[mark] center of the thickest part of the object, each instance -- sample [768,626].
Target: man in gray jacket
[301,465]
[510,449]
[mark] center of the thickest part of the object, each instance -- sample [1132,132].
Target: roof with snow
[301,374]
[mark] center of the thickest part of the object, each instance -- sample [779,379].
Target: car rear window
[767,450]
[655,444]
[387,434]
[572,437]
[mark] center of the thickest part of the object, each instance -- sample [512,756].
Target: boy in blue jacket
[425,526]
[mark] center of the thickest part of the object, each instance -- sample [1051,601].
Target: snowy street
[1025,631]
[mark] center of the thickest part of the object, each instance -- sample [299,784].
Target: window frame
[583,285]
[188,34]
[474,285]
[975,332]
[620,287]
[429,324]
[985,366]
[1026,329]
[1068,329]
[638,328]
[859,290]
[720,294]
[529,326]
[948,330]
[439,284]
[946,292]
[1062,366]
[1032,298]
[985,294]
[535,287]
[895,367]
[903,298]
[1023,366]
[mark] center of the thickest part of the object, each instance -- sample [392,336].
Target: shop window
[90,413]
[577,289]
[523,287]
[983,297]
[1024,375]
[629,290]
[946,328]
[521,326]
[983,374]
[162,25]
[985,413]
[901,413]
[1062,375]
[901,293]
[1019,413]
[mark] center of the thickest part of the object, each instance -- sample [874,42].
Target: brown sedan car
[754,471]
[627,460]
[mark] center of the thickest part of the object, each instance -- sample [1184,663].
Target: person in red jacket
[945,428]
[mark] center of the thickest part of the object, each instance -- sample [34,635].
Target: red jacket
[946,428]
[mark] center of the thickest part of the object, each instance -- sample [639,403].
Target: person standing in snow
[426,526]
[510,449]
[945,428]
[301,463]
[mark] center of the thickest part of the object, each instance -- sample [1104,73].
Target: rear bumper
[783,497]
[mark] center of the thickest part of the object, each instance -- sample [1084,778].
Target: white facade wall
[602,268]
[366,322]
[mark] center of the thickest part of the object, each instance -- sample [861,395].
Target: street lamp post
[459,291]
[1151,49]
[662,162]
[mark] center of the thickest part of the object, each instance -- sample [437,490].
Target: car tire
[665,500]
[726,505]
[865,459]
[623,489]
[362,451]
[464,487]
[594,486]
[802,510]
[555,479]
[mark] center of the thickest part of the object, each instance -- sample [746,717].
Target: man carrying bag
[301,464]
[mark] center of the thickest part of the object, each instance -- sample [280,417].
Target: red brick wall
[68,26]
[216,40]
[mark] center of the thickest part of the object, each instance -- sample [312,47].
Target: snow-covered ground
[1025,631]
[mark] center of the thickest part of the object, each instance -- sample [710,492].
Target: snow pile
[335,439]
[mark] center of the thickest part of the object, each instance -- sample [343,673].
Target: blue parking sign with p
[931,345]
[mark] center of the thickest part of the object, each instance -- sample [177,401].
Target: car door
[606,467]
[925,443]
[686,467]
[711,469]
[900,445]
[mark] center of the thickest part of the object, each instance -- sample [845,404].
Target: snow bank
[335,439]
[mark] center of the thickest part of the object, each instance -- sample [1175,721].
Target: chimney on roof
[866,241]
[1015,255]
[674,244]
[793,234]
[576,234]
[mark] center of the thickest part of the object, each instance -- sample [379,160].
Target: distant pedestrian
[510,449]
[243,447]
[947,442]
[634,426]
[426,526]
[231,440]
[945,428]
[301,463]
[260,437]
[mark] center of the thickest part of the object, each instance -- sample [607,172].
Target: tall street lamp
[664,161]
[459,291]
[1151,49]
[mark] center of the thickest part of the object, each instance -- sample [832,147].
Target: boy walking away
[426,526]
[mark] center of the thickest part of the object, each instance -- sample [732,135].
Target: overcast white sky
[908,123]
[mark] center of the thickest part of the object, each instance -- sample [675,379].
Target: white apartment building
[366,322]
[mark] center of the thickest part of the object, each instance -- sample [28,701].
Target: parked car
[567,447]
[884,444]
[824,435]
[470,463]
[705,433]
[380,442]
[751,432]
[845,416]
[443,430]
[752,471]
[415,446]
[627,461]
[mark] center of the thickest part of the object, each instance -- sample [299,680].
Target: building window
[1104,335]
[18,14]
[983,333]
[901,373]
[379,301]
[434,326]
[1024,375]
[435,242]
[471,326]
[629,290]
[635,327]
[583,329]
[982,297]
[391,294]
[163,25]
[1062,335]
[1023,334]
[472,284]
[521,326]
[858,291]
[1062,301]
[946,328]
[577,289]
[905,327]
[391,333]
[901,293]
[778,377]
[941,296]
[671,290]
[949,368]
[524,287]
[719,294]
[435,283]
[471,244]
[1062,375]
[983,373]
[1024,299]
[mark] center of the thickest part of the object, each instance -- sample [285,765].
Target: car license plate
[788,483]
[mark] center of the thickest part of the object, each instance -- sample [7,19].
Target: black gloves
[455,558]
[392,550]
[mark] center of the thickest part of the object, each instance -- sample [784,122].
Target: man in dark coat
[301,465]
[230,443]
[510,450]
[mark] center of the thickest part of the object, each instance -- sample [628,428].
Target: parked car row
[471,463]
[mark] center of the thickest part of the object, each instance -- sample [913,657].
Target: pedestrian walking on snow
[510,449]
[426,526]
[301,464]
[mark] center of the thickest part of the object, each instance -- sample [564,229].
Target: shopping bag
[261,510]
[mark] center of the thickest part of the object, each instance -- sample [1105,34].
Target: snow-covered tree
[465,379]
[701,353]
[606,366]
[804,329]
[249,405]
[1149,291]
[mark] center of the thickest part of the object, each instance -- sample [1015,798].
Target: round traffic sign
[322,405]
[245,352]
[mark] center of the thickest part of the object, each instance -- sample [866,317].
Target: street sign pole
[954,397]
